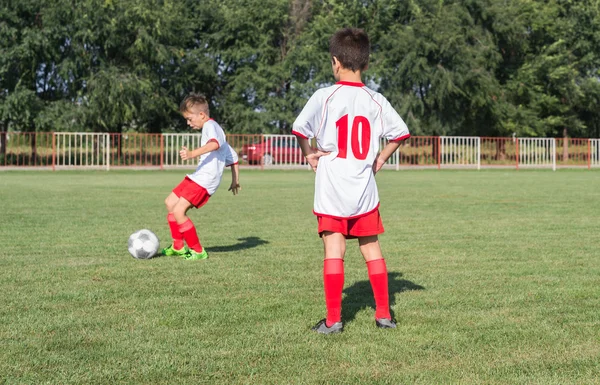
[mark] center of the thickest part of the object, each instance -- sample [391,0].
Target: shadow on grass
[360,295]
[243,243]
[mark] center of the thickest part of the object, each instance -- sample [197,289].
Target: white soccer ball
[143,244]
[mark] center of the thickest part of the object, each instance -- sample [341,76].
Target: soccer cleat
[385,323]
[194,255]
[321,327]
[170,251]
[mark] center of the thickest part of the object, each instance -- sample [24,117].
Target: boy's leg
[185,224]
[378,275]
[333,275]
[175,233]
[177,236]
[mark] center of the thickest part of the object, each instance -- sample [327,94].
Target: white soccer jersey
[211,165]
[348,119]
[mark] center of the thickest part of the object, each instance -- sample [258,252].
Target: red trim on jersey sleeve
[403,137]
[299,134]
[352,84]
[214,140]
[352,217]
[232,164]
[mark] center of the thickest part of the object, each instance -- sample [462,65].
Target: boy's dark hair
[192,101]
[351,47]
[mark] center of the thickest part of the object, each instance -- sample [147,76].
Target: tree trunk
[500,150]
[119,139]
[435,149]
[33,149]
[3,144]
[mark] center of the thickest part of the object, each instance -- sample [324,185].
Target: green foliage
[476,67]
[20,109]
[438,68]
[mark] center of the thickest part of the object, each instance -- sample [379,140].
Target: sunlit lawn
[494,279]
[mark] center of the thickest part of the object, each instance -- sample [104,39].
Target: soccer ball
[143,244]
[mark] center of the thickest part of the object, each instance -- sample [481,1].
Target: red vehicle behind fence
[273,151]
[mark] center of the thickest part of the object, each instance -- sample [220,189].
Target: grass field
[494,279]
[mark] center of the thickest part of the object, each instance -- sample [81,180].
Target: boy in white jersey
[347,120]
[195,190]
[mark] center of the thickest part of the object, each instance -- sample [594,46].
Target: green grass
[494,279]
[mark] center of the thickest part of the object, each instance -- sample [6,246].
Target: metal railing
[63,150]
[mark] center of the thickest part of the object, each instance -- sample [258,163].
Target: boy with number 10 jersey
[347,120]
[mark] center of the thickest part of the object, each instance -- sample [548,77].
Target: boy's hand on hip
[313,159]
[184,153]
[377,165]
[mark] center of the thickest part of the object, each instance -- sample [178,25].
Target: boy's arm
[231,159]
[235,179]
[312,156]
[384,155]
[185,154]
[304,126]
[394,130]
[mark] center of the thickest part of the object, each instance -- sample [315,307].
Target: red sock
[333,279]
[379,282]
[190,236]
[175,233]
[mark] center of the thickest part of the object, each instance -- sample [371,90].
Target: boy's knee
[179,215]
[180,208]
[170,202]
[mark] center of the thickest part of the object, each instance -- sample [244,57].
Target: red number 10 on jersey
[361,128]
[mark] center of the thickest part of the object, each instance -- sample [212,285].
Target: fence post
[554,155]
[478,153]
[262,144]
[589,154]
[34,149]
[439,152]
[107,150]
[162,154]
[517,153]
[53,151]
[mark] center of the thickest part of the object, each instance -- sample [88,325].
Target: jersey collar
[352,84]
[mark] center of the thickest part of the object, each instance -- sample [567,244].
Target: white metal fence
[172,146]
[103,150]
[460,151]
[88,150]
[537,152]
[281,150]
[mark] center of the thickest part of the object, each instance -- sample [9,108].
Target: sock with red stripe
[379,283]
[175,233]
[190,235]
[333,282]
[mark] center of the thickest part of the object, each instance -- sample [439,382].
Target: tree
[437,66]
[474,67]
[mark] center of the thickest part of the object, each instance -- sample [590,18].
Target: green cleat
[170,251]
[194,255]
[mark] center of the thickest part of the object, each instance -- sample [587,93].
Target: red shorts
[192,192]
[364,226]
